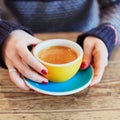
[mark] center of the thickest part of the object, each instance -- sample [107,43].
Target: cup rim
[36,50]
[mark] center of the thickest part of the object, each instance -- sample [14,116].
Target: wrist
[105,33]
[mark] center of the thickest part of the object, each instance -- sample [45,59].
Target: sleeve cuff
[5,29]
[105,32]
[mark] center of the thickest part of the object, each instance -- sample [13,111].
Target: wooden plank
[101,102]
[111,75]
[96,115]
[71,36]
[101,97]
[106,95]
[38,103]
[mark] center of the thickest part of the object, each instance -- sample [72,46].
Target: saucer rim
[61,93]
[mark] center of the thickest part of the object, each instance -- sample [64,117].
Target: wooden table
[101,102]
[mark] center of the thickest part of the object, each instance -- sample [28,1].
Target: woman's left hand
[96,54]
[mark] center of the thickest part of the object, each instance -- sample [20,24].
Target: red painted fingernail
[31,90]
[44,82]
[83,65]
[44,72]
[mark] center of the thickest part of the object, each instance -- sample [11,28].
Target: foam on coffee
[57,55]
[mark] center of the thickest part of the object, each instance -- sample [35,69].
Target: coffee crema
[57,55]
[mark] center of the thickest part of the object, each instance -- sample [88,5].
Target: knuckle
[25,73]
[27,57]
[18,44]
[35,78]
[10,55]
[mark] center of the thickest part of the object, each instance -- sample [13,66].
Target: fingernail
[44,72]
[44,82]
[31,90]
[83,65]
[92,85]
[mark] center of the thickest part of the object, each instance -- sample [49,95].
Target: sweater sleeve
[110,13]
[109,28]
[5,29]
[104,32]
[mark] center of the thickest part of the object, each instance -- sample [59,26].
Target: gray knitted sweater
[66,15]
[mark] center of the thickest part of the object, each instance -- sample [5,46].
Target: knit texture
[111,14]
[103,32]
[56,15]
[66,16]
[5,29]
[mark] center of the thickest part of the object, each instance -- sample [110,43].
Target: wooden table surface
[101,102]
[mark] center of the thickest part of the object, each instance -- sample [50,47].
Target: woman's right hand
[17,56]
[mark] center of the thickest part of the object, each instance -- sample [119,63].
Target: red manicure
[31,90]
[44,72]
[83,65]
[44,82]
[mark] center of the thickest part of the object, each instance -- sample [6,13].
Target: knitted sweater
[97,18]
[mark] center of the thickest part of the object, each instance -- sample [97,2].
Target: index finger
[99,65]
[28,58]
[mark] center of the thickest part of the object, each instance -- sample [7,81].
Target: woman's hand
[96,54]
[16,55]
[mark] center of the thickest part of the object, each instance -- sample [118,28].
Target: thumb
[34,41]
[87,56]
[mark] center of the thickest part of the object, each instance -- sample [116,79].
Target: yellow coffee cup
[63,71]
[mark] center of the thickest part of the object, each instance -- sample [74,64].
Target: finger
[99,64]
[33,41]
[27,56]
[88,48]
[16,77]
[18,80]
[97,76]
[27,72]
[28,39]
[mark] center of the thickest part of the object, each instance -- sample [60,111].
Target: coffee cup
[61,57]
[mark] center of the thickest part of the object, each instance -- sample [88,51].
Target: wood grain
[101,102]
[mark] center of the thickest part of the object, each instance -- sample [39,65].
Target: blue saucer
[80,81]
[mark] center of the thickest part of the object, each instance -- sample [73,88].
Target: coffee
[58,55]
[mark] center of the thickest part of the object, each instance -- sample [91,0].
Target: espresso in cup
[58,55]
[61,57]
